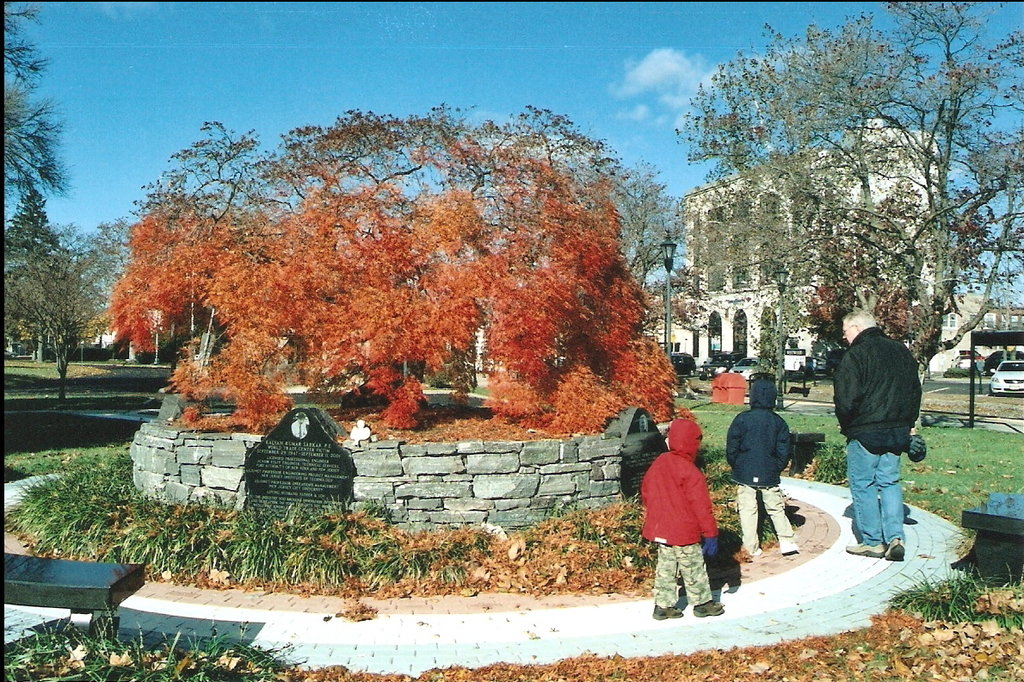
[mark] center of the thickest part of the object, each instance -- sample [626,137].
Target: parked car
[993,360]
[684,364]
[964,360]
[746,367]
[1007,378]
[718,363]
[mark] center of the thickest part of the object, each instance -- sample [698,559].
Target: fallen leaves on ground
[447,424]
[892,649]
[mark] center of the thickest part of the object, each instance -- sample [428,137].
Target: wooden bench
[802,447]
[84,587]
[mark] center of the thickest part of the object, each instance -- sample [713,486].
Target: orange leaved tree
[357,256]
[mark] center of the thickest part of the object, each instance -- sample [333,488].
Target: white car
[1008,378]
[747,367]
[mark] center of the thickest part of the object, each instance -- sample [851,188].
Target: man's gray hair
[861,318]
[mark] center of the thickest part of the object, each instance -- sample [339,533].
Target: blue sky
[134,81]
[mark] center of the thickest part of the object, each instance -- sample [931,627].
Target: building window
[740,277]
[714,333]
[950,321]
[990,321]
[739,332]
[716,280]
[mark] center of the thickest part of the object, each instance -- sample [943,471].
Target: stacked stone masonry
[510,484]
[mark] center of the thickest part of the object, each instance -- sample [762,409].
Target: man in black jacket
[877,401]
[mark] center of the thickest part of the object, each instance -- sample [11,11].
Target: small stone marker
[171,408]
[299,464]
[642,442]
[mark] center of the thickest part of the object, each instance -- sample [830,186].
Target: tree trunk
[62,374]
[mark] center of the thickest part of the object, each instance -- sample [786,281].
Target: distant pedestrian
[677,514]
[757,449]
[877,401]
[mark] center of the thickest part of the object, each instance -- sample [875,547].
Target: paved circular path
[821,591]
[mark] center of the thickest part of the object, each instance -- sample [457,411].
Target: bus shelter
[1003,340]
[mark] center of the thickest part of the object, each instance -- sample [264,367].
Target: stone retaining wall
[508,484]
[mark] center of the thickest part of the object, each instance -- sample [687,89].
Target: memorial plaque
[299,464]
[642,442]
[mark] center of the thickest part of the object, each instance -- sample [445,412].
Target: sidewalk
[821,591]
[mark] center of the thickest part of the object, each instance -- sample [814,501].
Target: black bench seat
[802,447]
[84,587]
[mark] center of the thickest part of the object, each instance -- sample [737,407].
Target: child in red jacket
[677,514]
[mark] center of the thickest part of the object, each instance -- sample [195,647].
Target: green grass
[962,468]
[43,435]
[38,443]
[90,386]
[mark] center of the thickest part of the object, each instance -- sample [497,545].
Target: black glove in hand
[917,449]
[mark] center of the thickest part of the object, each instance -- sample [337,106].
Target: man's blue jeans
[877,494]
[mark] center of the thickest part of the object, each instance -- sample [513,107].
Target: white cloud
[667,75]
[124,10]
[641,112]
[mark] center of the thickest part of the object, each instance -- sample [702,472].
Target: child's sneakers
[787,548]
[661,613]
[710,608]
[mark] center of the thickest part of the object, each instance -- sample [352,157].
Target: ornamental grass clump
[829,464]
[716,468]
[82,511]
[965,598]
[70,654]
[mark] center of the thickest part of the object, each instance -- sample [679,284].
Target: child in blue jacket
[757,448]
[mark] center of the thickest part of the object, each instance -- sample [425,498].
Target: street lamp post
[668,249]
[781,278]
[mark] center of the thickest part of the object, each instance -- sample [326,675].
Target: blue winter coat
[757,444]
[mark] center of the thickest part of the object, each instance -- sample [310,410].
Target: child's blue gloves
[710,546]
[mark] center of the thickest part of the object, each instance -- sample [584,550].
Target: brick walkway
[820,591]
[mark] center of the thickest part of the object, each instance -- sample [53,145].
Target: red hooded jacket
[674,492]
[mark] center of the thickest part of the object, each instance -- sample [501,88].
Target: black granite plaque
[299,464]
[642,442]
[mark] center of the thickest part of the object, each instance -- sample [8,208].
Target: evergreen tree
[28,233]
